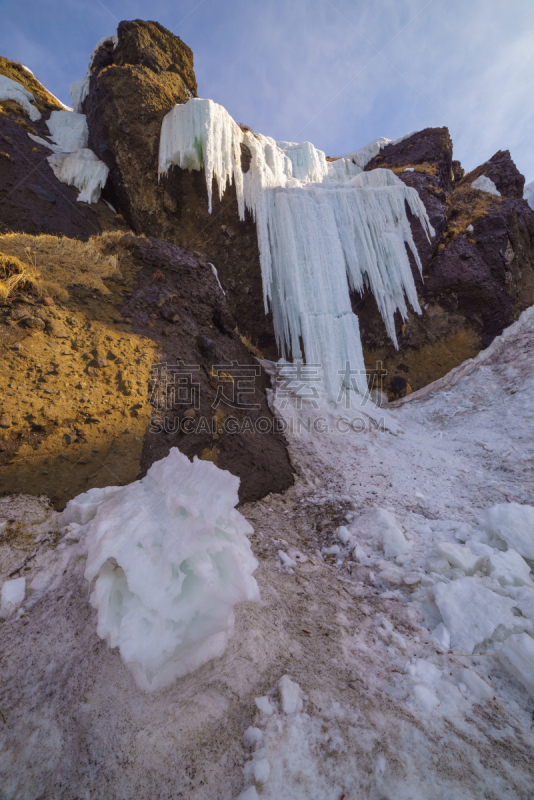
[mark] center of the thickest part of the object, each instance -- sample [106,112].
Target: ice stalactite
[82,169]
[324,228]
[68,130]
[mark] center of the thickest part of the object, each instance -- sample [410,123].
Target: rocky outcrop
[132,87]
[478,271]
[96,387]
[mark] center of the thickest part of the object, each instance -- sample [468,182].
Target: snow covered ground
[341,682]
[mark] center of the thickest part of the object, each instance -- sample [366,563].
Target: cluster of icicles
[324,229]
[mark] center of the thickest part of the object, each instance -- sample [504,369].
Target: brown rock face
[475,281]
[133,87]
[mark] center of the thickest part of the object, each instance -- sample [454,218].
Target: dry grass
[43,99]
[465,206]
[252,348]
[247,129]
[46,265]
[15,112]
[429,169]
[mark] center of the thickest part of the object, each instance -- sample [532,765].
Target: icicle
[324,229]
[82,169]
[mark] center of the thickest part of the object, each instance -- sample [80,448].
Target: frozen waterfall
[324,228]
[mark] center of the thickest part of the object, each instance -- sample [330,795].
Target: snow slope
[352,676]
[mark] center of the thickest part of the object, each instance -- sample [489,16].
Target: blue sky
[337,73]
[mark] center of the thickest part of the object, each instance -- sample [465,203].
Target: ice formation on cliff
[528,194]
[11,90]
[171,559]
[80,89]
[68,130]
[82,169]
[485,184]
[324,229]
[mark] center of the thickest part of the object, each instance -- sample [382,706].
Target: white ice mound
[11,90]
[513,524]
[82,169]
[485,184]
[365,154]
[171,559]
[80,89]
[68,130]
[324,229]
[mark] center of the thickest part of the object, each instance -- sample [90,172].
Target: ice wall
[324,228]
[170,558]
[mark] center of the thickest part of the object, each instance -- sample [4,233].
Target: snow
[324,229]
[485,184]
[528,194]
[514,524]
[80,89]
[459,556]
[11,90]
[517,655]
[252,736]
[82,169]
[68,130]
[380,524]
[476,685]
[12,596]
[170,558]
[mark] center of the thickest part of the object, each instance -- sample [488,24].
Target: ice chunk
[475,685]
[409,169]
[334,550]
[459,556]
[517,655]
[286,560]
[426,698]
[485,184]
[509,569]
[528,194]
[12,596]
[68,130]
[248,794]
[171,558]
[514,524]
[469,229]
[11,90]
[442,635]
[343,534]
[382,526]
[264,705]
[83,170]
[425,671]
[290,695]
[262,770]
[471,612]
[252,736]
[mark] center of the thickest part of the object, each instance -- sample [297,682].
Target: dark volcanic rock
[504,174]
[220,410]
